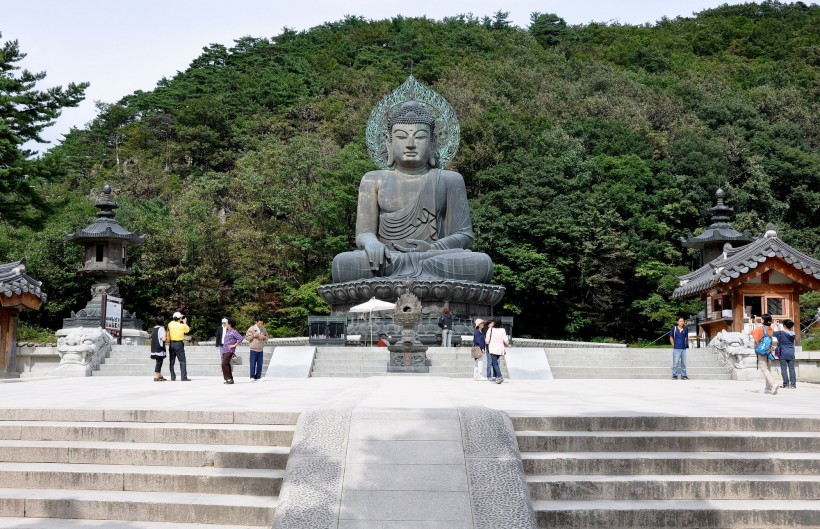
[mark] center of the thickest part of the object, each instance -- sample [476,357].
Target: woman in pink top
[497,340]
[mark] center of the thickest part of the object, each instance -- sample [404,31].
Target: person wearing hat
[220,335]
[177,330]
[480,342]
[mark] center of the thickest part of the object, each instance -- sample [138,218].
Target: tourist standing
[230,340]
[480,342]
[679,338]
[446,325]
[158,352]
[177,330]
[256,335]
[785,342]
[763,363]
[497,341]
[220,333]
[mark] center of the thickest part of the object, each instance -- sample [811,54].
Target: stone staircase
[701,364]
[695,472]
[454,362]
[202,360]
[132,468]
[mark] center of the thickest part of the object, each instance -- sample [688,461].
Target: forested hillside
[588,151]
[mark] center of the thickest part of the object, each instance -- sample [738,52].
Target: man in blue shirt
[679,338]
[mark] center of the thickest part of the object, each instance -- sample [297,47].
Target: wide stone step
[244,434]
[660,441]
[211,480]
[145,454]
[636,373]
[149,416]
[703,514]
[692,487]
[356,364]
[630,362]
[352,355]
[676,463]
[64,523]
[627,353]
[365,375]
[189,359]
[666,423]
[148,370]
[138,506]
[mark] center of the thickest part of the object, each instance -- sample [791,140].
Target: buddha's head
[411,137]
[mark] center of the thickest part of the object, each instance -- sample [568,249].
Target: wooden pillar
[796,316]
[737,311]
[8,338]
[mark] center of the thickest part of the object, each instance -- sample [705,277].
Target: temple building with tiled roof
[764,276]
[18,291]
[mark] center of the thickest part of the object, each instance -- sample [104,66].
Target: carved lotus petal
[384,291]
[422,290]
[441,291]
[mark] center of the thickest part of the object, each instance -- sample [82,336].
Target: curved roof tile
[737,261]
[14,281]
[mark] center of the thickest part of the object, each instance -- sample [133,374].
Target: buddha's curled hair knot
[411,113]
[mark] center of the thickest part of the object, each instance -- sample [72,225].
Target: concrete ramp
[528,363]
[291,362]
[442,468]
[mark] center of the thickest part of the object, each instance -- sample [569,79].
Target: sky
[120,47]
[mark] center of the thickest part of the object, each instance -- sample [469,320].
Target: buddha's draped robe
[439,215]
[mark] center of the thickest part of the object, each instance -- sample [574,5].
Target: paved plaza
[707,398]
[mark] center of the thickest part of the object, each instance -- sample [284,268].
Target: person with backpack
[158,352]
[762,334]
[679,338]
[785,344]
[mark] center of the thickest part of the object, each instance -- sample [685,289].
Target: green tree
[24,112]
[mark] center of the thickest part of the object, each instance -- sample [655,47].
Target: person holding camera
[785,343]
[177,330]
[256,335]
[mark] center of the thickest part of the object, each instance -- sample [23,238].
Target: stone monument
[408,355]
[413,220]
[106,244]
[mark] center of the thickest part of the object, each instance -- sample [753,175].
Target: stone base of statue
[465,299]
[408,358]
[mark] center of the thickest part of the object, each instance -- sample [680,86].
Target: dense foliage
[24,112]
[588,151]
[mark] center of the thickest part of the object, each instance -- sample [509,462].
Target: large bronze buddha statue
[413,218]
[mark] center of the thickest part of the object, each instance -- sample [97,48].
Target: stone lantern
[711,241]
[106,259]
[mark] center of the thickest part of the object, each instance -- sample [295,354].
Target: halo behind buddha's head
[411,103]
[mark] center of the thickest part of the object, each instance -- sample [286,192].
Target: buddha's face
[411,145]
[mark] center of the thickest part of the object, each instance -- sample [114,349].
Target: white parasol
[371,306]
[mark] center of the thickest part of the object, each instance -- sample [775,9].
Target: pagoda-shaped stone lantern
[711,241]
[106,259]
